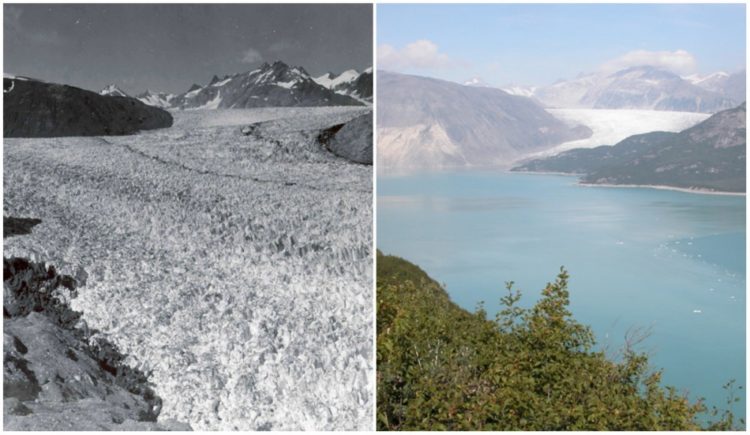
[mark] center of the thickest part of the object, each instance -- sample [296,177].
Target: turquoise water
[672,263]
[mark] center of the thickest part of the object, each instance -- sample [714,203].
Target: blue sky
[539,44]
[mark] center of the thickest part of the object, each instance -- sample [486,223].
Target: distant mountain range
[271,85]
[643,87]
[350,82]
[430,123]
[710,155]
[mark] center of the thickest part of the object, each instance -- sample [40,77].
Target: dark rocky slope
[271,85]
[57,373]
[37,109]
[352,140]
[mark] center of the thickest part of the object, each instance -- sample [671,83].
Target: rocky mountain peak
[113,91]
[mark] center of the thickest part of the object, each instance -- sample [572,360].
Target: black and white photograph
[188,217]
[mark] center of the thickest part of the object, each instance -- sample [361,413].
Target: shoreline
[699,191]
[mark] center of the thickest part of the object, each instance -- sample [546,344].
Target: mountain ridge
[270,85]
[430,123]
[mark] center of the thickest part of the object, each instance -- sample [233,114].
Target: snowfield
[610,126]
[238,268]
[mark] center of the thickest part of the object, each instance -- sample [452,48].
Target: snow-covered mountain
[112,90]
[157,99]
[731,86]
[271,85]
[331,80]
[350,83]
[642,87]
[707,81]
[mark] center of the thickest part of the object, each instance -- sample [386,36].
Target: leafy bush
[440,367]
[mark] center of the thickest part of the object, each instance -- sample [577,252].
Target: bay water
[667,264]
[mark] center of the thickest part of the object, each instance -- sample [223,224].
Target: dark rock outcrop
[352,140]
[37,109]
[13,226]
[57,373]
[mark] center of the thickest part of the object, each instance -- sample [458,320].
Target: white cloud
[418,54]
[283,45]
[679,61]
[251,55]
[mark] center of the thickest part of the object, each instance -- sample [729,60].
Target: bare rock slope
[36,109]
[58,374]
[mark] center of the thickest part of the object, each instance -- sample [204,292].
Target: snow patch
[223,82]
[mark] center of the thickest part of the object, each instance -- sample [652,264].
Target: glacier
[236,268]
[610,126]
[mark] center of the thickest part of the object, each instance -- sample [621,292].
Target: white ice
[610,126]
[237,268]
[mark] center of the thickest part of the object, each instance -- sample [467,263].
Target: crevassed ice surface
[237,268]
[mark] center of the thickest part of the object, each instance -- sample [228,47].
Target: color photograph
[561,217]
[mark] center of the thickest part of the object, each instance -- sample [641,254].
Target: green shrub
[440,367]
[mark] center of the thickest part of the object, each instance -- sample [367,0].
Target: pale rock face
[427,123]
[417,147]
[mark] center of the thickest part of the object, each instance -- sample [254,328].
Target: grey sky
[170,46]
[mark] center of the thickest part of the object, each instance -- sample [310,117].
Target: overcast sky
[537,44]
[169,47]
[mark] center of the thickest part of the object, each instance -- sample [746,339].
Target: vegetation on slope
[440,367]
[710,155]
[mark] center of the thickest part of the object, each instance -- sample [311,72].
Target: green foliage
[440,367]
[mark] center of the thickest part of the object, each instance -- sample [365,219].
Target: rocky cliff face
[57,373]
[37,109]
